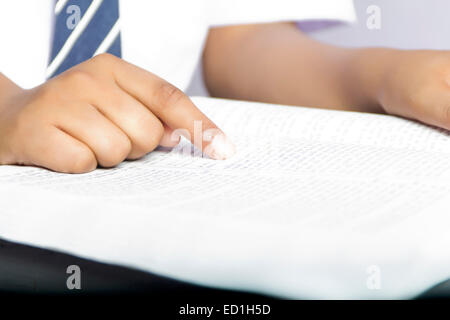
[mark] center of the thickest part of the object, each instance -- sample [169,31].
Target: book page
[313,200]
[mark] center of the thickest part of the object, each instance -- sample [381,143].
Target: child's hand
[417,85]
[277,63]
[100,112]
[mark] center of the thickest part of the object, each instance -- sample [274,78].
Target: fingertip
[220,147]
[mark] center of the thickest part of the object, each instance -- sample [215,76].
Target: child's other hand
[100,112]
[417,85]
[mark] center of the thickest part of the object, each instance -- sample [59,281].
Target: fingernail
[220,148]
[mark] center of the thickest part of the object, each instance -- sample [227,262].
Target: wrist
[8,89]
[369,72]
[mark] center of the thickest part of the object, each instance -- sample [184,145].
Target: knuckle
[148,140]
[167,95]
[79,77]
[115,151]
[84,161]
[103,58]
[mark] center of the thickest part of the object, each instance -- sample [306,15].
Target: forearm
[277,63]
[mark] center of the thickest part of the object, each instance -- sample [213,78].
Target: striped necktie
[83,29]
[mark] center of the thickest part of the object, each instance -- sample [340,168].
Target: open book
[315,204]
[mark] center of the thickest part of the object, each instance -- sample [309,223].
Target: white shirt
[165,37]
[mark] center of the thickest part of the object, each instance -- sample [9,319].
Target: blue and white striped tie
[83,29]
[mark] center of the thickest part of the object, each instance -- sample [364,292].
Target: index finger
[173,108]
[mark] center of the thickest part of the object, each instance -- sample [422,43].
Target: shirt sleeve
[228,12]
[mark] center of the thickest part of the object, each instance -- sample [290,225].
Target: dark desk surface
[25,269]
